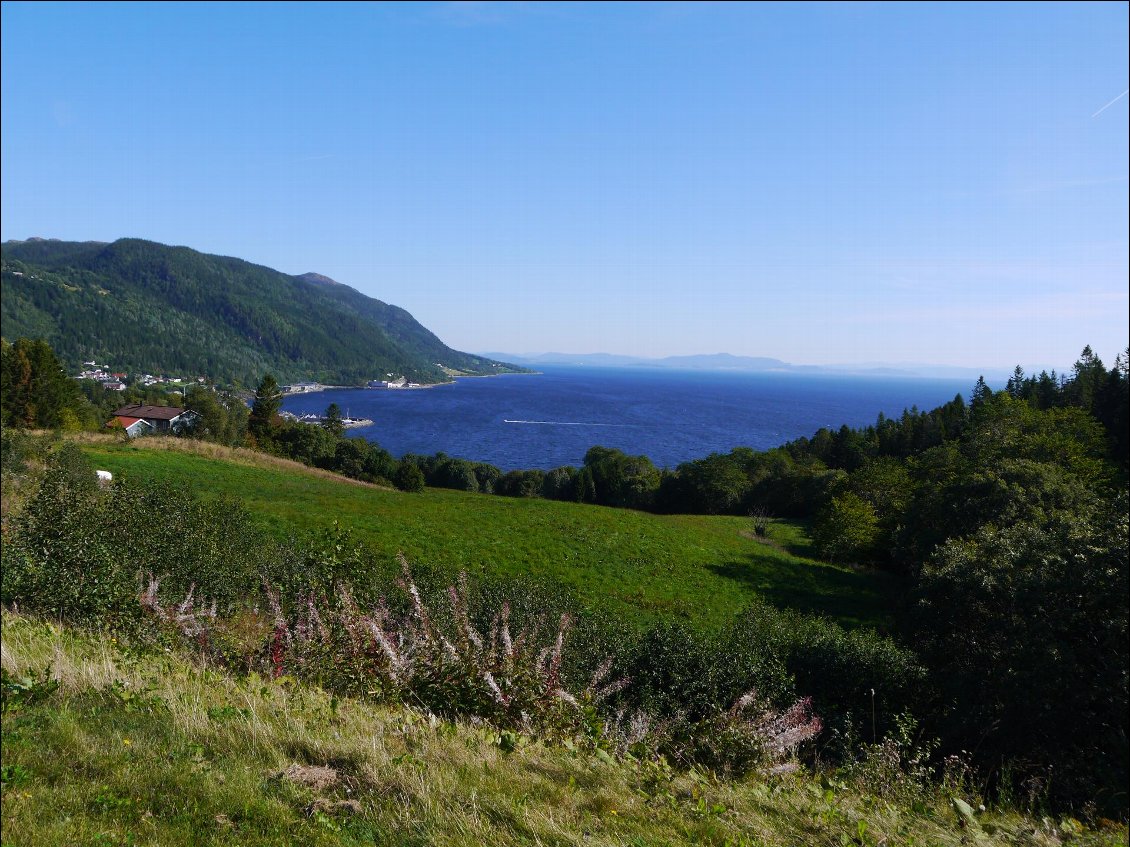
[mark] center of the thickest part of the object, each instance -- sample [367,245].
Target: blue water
[550,419]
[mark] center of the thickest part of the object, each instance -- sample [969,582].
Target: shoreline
[318,388]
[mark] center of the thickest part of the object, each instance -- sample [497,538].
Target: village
[137,419]
[118,381]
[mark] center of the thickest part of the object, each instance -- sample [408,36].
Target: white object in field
[104,477]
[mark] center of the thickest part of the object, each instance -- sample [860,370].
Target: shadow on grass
[853,599]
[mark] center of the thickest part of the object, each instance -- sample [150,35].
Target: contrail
[1111,103]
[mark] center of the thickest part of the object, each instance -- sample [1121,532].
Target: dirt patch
[317,777]
[762,539]
[333,807]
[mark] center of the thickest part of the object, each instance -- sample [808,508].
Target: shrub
[508,674]
[79,553]
[440,661]
[409,477]
[560,483]
[838,668]
[62,559]
[748,735]
[846,529]
[521,484]
[1025,629]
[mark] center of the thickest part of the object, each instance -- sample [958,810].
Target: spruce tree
[332,421]
[268,399]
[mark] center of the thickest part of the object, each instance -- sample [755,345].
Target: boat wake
[564,423]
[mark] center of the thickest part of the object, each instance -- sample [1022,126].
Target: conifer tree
[35,390]
[268,399]
[332,422]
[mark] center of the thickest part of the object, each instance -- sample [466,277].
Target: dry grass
[156,750]
[210,450]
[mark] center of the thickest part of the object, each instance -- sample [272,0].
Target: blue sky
[821,184]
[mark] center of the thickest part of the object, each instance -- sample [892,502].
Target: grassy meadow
[638,565]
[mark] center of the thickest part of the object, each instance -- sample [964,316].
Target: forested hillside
[142,306]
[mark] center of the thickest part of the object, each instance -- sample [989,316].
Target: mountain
[319,279]
[726,362]
[753,364]
[141,306]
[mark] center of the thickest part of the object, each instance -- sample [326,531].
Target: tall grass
[151,749]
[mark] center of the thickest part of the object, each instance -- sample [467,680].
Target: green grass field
[639,565]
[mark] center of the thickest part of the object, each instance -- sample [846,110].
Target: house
[133,426]
[160,418]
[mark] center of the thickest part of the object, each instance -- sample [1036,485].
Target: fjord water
[549,419]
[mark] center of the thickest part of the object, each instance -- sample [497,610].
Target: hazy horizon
[825,185]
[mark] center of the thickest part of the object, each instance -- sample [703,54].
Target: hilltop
[150,307]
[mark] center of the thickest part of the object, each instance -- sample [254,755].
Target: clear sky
[820,184]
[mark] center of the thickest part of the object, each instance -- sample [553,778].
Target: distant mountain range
[751,364]
[141,306]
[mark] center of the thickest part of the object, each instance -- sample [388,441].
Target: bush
[846,529]
[409,477]
[62,559]
[560,484]
[1025,629]
[838,668]
[521,484]
[80,554]
[210,546]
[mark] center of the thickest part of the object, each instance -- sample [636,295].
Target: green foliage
[560,484]
[675,669]
[34,390]
[685,675]
[332,421]
[265,410]
[329,559]
[306,443]
[458,474]
[716,485]
[409,477]
[14,449]
[208,547]
[62,560]
[1025,629]
[223,416]
[837,667]
[846,529]
[152,308]
[1013,464]
[629,482]
[521,484]
[80,554]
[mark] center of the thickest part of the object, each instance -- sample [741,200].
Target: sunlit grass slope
[113,748]
[645,566]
